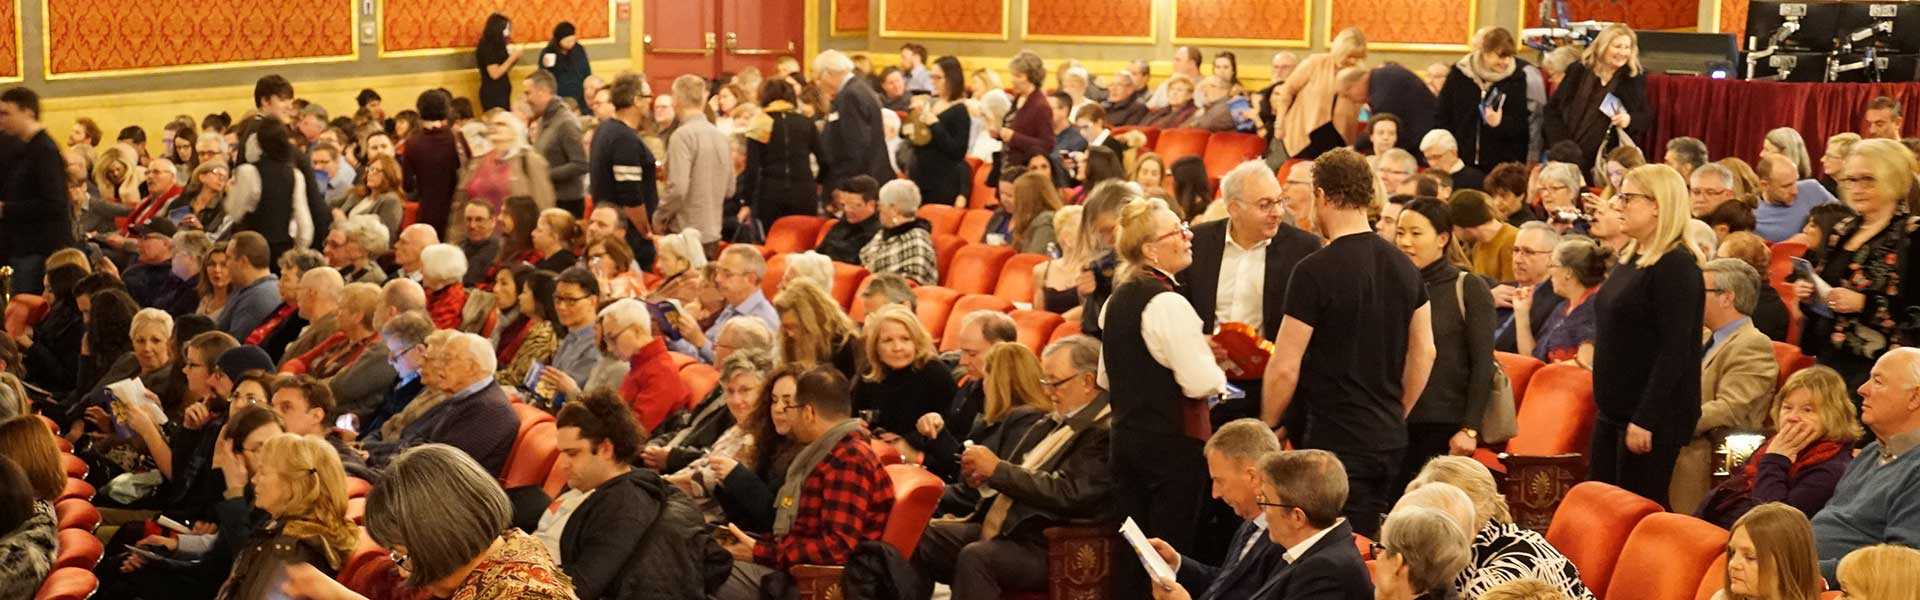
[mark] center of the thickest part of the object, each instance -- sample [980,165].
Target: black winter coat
[638,537]
[1483,146]
[779,177]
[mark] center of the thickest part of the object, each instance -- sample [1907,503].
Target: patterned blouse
[519,569]
[1503,552]
[1874,270]
[905,250]
[537,345]
[734,443]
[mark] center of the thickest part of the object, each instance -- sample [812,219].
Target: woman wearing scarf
[1310,104]
[568,63]
[1802,462]
[781,146]
[1579,110]
[1484,102]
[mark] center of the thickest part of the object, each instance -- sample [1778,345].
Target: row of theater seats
[71,576]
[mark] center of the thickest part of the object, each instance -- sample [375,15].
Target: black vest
[271,217]
[1145,396]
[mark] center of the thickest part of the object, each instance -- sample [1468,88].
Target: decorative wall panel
[944,19]
[1406,24]
[1078,20]
[93,38]
[1638,14]
[429,26]
[10,46]
[1243,22]
[1733,19]
[851,16]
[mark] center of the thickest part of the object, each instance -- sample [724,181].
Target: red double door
[710,37]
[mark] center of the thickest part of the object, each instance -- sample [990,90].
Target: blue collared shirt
[473,389]
[1720,335]
[755,306]
[577,354]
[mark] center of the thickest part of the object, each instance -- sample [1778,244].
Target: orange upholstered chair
[357,510]
[966,305]
[1780,261]
[1151,133]
[973,225]
[1557,417]
[1713,581]
[557,476]
[76,488]
[1016,277]
[945,219]
[1666,557]
[846,282]
[916,492]
[1520,370]
[700,380]
[794,233]
[887,453]
[680,361]
[982,195]
[357,487]
[822,235]
[776,270]
[934,303]
[363,552]
[75,513]
[1066,328]
[945,246]
[68,584]
[1036,327]
[1175,144]
[534,449]
[23,311]
[1226,150]
[975,268]
[1790,359]
[1592,527]
[75,467]
[78,548]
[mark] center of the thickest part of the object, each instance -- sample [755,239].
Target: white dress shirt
[1293,552]
[1243,283]
[1172,331]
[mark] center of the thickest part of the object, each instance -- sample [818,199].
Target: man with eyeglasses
[1241,266]
[1786,199]
[979,331]
[474,417]
[1710,186]
[1300,494]
[405,336]
[1062,477]
[1532,266]
[1737,375]
[1233,462]
[1092,121]
[738,274]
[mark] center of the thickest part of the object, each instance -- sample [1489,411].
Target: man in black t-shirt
[621,169]
[1361,375]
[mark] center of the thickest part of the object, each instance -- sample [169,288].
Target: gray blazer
[388,207]
[559,143]
[362,386]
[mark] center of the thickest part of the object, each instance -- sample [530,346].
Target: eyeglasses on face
[1054,384]
[1269,204]
[1179,231]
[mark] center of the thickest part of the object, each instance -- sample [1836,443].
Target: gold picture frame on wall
[380,21]
[1006,20]
[1153,30]
[1374,43]
[46,54]
[1304,41]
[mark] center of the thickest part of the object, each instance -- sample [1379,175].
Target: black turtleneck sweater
[1462,378]
[902,396]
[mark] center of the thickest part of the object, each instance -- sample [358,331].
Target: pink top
[492,182]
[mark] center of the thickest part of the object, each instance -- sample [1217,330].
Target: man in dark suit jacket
[1532,263]
[1233,460]
[854,145]
[1092,122]
[1304,491]
[1061,479]
[1241,266]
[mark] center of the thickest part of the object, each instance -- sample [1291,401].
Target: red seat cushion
[78,548]
[975,268]
[1557,417]
[794,233]
[1592,526]
[916,493]
[76,514]
[1016,278]
[1666,557]
[68,584]
[966,305]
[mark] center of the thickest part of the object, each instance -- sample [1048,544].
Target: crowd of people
[277,307]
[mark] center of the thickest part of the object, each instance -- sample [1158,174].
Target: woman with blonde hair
[554,235]
[1055,280]
[1580,110]
[1814,431]
[1502,550]
[1771,556]
[1880,572]
[813,329]
[1786,142]
[1746,182]
[299,482]
[117,174]
[1149,171]
[902,379]
[1015,400]
[1310,98]
[1865,257]
[1646,366]
[1034,201]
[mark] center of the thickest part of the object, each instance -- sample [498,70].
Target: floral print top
[1875,270]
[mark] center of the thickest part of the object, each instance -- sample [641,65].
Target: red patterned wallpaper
[1110,18]
[977,18]
[851,15]
[89,36]
[9,34]
[1639,14]
[1240,19]
[437,24]
[1733,19]
[1405,21]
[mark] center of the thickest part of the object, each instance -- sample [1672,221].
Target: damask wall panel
[1638,14]
[851,16]
[1244,22]
[429,26]
[94,38]
[10,40]
[1406,24]
[944,19]
[1733,19]
[1119,21]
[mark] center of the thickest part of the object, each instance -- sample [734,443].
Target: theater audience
[853,139]
[1233,461]
[725,437]
[1301,494]
[407,248]
[904,244]
[510,168]
[256,291]
[1421,550]
[1446,419]
[1484,234]
[1012,401]
[1799,464]
[1879,571]
[1580,265]
[1839,145]
[380,196]
[737,275]
[317,302]
[858,198]
[1502,550]
[1786,197]
[1484,102]
[353,247]
[558,131]
[1711,185]
[298,481]
[1870,504]
[27,544]
[652,385]
[1442,152]
[1736,374]
[813,329]
[351,361]
[902,379]
[474,417]
[1771,556]
[1534,270]
[1310,109]
[555,234]
[1029,131]
[405,339]
[1179,108]
[1769,311]
[203,205]
[781,144]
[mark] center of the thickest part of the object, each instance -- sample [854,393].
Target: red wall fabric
[9,26]
[851,15]
[434,24]
[90,36]
[1733,117]
[1109,18]
[1256,19]
[1405,21]
[968,17]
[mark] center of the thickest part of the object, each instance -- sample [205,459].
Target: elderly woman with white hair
[808,265]
[1559,189]
[1502,550]
[509,169]
[682,261]
[352,246]
[652,385]
[904,245]
[449,303]
[1420,551]
[352,362]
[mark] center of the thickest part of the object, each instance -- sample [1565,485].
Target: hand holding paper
[1157,568]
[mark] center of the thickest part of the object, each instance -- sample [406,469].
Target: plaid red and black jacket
[844,501]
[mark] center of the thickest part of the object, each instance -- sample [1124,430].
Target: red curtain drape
[1733,116]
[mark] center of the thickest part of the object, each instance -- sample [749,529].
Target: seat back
[945,246]
[1557,417]
[1519,370]
[78,549]
[1226,150]
[1591,527]
[680,361]
[975,268]
[1016,282]
[934,304]
[1066,328]
[916,493]
[944,218]
[71,583]
[1036,327]
[700,379]
[794,233]
[23,311]
[358,488]
[1713,581]
[1780,261]
[886,452]
[533,454]
[973,226]
[846,282]
[73,465]
[76,488]
[825,227]
[950,338]
[1787,356]
[1175,144]
[982,195]
[557,476]
[75,513]
[1666,557]
[776,272]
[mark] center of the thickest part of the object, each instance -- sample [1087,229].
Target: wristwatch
[1471,432]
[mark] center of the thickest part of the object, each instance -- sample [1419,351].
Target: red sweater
[653,387]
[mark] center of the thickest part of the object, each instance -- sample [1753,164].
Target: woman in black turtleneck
[1446,420]
[903,379]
